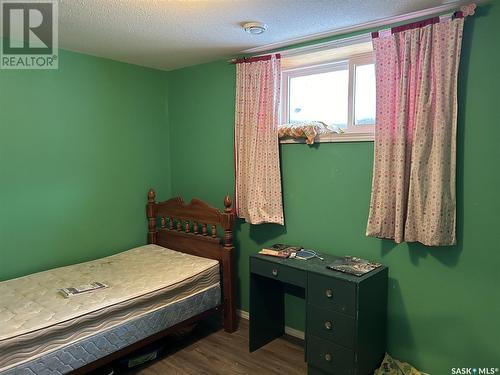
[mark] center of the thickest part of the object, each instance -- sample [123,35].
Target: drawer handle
[328,357]
[329,293]
[275,272]
[328,325]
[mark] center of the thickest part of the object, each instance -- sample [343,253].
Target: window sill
[334,138]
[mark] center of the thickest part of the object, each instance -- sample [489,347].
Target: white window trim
[354,133]
[334,138]
[332,44]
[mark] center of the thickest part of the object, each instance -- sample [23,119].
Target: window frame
[353,133]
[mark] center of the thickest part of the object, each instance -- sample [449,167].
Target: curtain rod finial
[468,10]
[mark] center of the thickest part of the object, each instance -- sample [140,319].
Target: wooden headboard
[192,229]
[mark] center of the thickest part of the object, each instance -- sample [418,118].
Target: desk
[345,315]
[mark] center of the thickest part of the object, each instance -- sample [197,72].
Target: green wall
[79,148]
[443,302]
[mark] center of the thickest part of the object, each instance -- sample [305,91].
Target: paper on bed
[68,292]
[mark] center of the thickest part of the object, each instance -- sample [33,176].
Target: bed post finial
[227,223]
[227,204]
[151,195]
[150,213]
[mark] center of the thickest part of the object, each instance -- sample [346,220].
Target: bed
[184,274]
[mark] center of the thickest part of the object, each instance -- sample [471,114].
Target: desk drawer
[331,325]
[329,357]
[279,272]
[330,293]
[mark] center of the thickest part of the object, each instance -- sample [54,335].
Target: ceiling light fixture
[254,28]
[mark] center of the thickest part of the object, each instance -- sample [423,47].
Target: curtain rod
[362,38]
[465,9]
[255,58]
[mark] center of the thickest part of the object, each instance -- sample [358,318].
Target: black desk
[345,315]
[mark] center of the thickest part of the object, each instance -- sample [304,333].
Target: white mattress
[35,318]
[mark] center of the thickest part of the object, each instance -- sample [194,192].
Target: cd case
[68,292]
[353,265]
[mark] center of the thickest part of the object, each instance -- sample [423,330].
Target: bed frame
[192,229]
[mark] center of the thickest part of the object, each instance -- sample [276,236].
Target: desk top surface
[318,266]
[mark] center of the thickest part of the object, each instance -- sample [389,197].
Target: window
[319,94]
[338,89]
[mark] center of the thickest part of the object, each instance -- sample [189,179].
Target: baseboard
[243,314]
[288,330]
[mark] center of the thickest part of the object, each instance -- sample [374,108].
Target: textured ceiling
[169,34]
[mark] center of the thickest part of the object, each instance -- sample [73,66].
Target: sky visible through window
[364,97]
[320,97]
[324,97]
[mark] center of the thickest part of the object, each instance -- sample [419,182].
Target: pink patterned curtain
[413,188]
[258,180]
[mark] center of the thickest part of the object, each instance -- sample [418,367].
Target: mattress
[37,323]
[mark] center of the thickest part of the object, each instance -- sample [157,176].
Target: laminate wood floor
[209,350]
